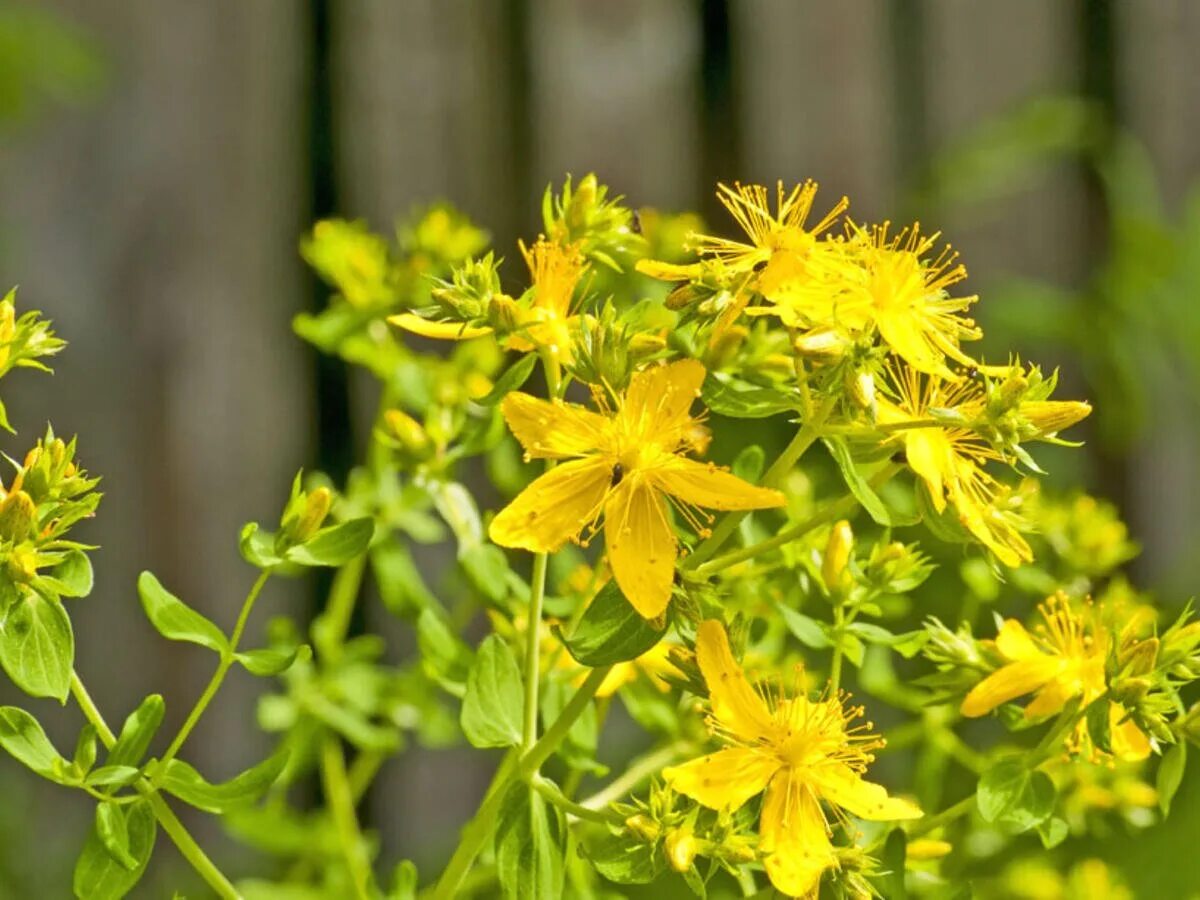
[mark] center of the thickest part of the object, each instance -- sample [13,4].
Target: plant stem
[638,771]
[533,648]
[804,438]
[166,817]
[835,664]
[214,684]
[946,816]
[550,791]
[476,833]
[340,798]
[339,607]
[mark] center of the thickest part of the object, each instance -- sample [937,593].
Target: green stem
[223,667]
[477,832]
[945,817]
[840,508]
[339,607]
[804,438]
[340,797]
[637,772]
[835,664]
[533,650]
[166,817]
[550,791]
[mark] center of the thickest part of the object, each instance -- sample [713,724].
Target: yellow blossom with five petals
[622,464]
[803,753]
[1062,660]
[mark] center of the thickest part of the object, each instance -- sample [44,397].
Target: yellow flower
[545,322]
[887,282]
[950,460]
[623,464]
[801,752]
[778,252]
[1062,660]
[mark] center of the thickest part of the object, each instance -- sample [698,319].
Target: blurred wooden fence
[158,227]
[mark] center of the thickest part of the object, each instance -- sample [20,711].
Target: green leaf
[529,846]
[862,491]
[443,652]
[457,507]
[749,463]
[1014,797]
[114,833]
[515,376]
[271,661]
[487,568]
[113,776]
[139,729]
[1098,725]
[258,547]
[335,545]
[491,709]
[1170,775]
[400,585]
[37,647]
[738,399]
[578,749]
[610,631]
[72,577]
[175,620]
[188,785]
[22,736]
[807,630]
[99,875]
[1053,832]
[623,860]
[85,748]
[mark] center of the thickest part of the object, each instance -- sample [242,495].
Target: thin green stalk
[945,817]
[533,650]
[804,438]
[477,832]
[166,817]
[340,798]
[223,667]
[339,606]
[550,791]
[637,772]
[835,664]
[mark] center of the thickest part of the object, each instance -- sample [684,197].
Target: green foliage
[491,709]
[610,631]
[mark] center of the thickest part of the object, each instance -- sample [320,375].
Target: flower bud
[22,564]
[837,556]
[407,431]
[680,847]
[1052,416]
[311,517]
[503,314]
[822,345]
[861,387]
[1140,659]
[643,827]
[8,328]
[927,848]
[18,517]
[582,202]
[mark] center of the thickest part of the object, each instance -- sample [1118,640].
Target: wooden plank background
[158,227]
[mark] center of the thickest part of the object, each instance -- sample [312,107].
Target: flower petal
[1129,743]
[1010,682]
[443,331]
[929,455]
[658,400]
[552,430]
[641,545]
[554,508]
[707,485]
[794,840]
[725,779]
[842,786]
[735,704]
[1014,642]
